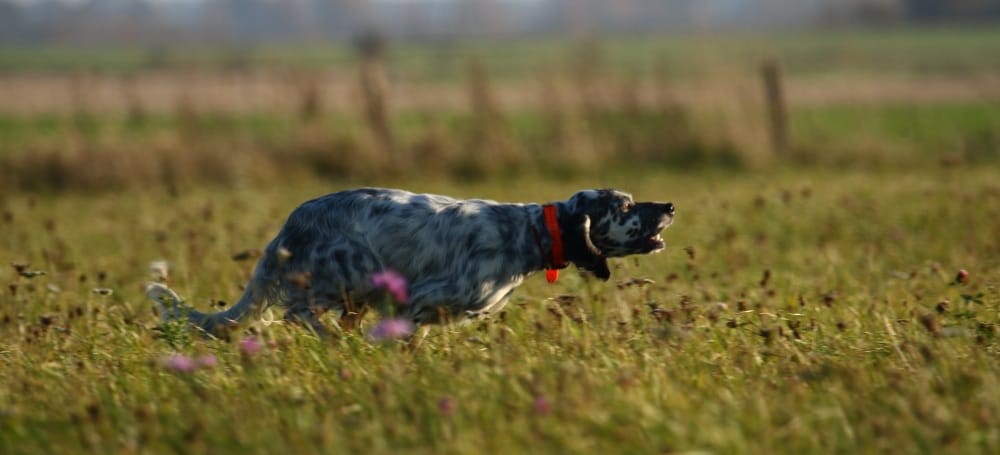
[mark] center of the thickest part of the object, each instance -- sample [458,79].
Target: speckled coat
[462,258]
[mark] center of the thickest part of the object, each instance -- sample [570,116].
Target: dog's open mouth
[655,242]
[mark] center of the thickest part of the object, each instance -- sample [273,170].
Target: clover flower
[391,329]
[541,405]
[179,363]
[393,282]
[251,346]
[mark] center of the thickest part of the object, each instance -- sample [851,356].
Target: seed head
[248,254]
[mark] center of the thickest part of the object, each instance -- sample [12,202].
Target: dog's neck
[544,232]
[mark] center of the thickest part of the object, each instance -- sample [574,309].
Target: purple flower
[541,405]
[393,282]
[179,363]
[447,406]
[207,361]
[391,329]
[251,346]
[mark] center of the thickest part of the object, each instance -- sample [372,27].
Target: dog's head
[604,223]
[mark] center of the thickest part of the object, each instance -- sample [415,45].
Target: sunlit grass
[101,151]
[806,311]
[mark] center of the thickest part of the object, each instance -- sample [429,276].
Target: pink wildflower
[393,282]
[391,329]
[251,346]
[541,405]
[179,363]
[447,406]
[962,277]
[207,361]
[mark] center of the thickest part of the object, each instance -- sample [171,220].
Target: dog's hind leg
[308,318]
[351,313]
[336,276]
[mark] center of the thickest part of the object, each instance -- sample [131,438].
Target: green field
[807,300]
[943,50]
[791,312]
[858,99]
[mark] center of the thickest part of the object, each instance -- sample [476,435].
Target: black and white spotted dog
[462,258]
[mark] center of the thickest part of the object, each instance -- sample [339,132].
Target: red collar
[552,224]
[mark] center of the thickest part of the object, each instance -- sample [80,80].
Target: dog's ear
[580,250]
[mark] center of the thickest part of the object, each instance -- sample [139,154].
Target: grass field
[99,119]
[807,301]
[791,312]
[942,50]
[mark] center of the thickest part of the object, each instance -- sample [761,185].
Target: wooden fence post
[776,110]
[310,95]
[370,47]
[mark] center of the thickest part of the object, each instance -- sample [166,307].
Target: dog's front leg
[449,299]
[352,315]
[437,301]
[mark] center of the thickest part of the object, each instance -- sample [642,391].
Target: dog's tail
[172,308]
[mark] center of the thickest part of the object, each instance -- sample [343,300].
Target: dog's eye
[627,206]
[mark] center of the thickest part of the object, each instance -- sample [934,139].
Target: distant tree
[953,10]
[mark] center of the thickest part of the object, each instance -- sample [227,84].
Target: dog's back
[461,257]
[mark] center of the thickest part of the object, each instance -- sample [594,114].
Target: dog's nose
[668,208]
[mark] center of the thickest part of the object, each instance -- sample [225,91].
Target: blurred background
[104,94]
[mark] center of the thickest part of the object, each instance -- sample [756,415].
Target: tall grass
[807,302]
[87,151]
[791,312]
[85,148]
[499,109]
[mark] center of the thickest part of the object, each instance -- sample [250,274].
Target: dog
[461,258]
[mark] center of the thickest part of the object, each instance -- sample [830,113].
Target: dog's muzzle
[662,215]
